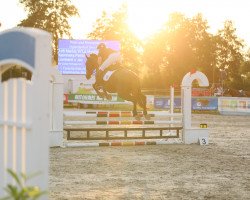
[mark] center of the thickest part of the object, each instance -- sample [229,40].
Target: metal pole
[171,103]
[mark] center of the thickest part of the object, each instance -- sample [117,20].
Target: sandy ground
[220,170]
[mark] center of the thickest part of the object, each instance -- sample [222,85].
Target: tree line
[183,44]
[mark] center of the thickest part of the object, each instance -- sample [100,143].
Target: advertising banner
[234,105]
[198,103]
[205,103]
[71,54]
[94,99]
[164,103]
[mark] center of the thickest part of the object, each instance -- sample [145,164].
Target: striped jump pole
[124,143]
[123,122]
[115,114]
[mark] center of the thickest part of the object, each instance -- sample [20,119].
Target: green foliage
[114,27]
[51,16]
[183,44]
[244,72]
[20,191]
[229,54]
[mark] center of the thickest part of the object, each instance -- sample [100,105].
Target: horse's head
[91,64]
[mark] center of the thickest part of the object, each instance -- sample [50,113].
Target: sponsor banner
[234,105]
[94,99]
[205,103]
[71,53]
[164,103]
[201,103]
[150,101]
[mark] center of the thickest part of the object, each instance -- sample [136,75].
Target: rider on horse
[108,60]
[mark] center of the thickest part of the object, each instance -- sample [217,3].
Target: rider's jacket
[104,53]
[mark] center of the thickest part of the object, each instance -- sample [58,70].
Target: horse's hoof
[147,116]
[109,97]
[138,117]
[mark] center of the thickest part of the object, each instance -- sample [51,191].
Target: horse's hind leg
[135,113]
[142,101]
[131,98]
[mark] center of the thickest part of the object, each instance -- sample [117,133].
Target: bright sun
[147,19]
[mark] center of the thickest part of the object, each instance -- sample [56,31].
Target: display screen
[71,54]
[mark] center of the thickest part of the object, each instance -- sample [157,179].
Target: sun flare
[145,19]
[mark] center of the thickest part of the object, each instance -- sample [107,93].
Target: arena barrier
[24,111]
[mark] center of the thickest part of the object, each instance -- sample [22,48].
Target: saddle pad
[107,75]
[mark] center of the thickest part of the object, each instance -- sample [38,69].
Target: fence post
[24,106]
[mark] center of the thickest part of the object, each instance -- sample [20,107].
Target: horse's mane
[93,55]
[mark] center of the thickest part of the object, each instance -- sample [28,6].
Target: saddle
[114,67]
[106,74]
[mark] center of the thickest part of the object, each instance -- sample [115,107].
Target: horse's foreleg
[100,94]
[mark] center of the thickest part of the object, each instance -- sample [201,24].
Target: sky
[145,16]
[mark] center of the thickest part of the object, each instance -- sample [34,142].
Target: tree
[245,73]
[114,27]
[183,44]
[229,54]
[50,15]
[203,47]
[153,57]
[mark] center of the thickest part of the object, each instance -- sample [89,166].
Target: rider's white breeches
[112,59]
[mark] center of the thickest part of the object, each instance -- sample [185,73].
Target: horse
[123,81]
[236,93]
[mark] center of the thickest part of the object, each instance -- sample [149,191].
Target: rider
[108,59]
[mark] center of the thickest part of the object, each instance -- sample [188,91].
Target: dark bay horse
[124,82]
